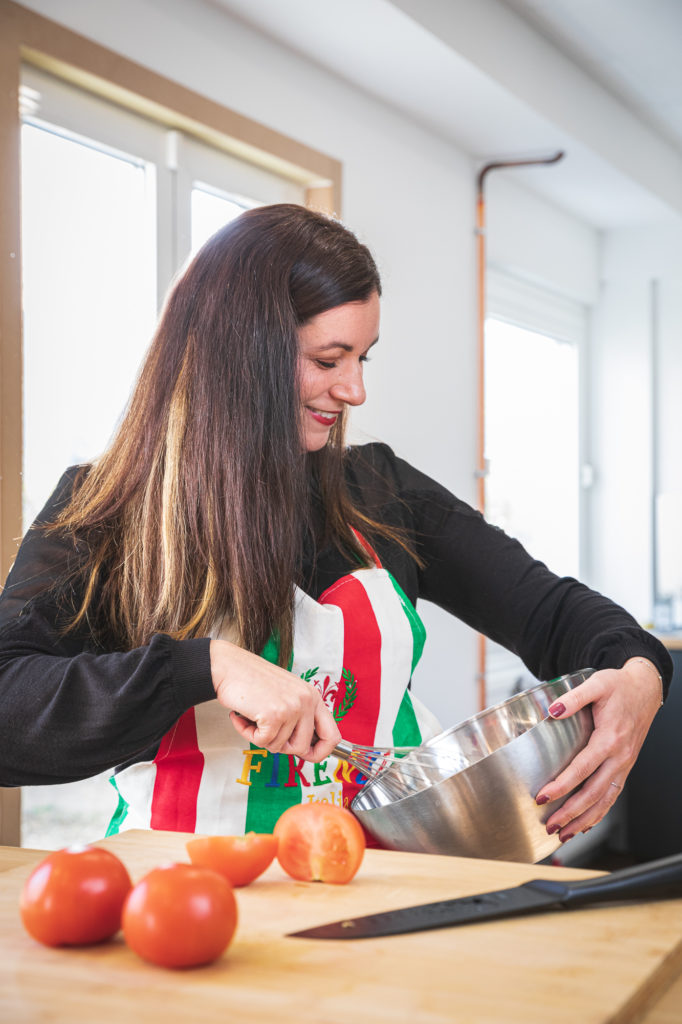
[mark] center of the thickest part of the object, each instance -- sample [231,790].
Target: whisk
[426,766]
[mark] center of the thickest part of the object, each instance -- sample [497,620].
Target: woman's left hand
[624,702]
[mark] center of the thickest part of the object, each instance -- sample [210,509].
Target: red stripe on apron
[179,764]
[368,548]
[362,657]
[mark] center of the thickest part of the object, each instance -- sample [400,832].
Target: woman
[229,588]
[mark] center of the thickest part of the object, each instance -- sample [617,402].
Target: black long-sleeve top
[72,706]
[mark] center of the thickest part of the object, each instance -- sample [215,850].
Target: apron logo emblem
[329,691]
[349,695]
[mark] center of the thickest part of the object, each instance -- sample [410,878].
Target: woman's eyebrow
[342,345]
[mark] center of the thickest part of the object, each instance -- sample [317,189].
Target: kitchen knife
[655,880]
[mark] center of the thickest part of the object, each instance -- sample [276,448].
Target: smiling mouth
[326,418]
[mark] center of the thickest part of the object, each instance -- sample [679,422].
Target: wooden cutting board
[580,967]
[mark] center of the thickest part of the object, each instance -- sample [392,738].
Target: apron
[358,644]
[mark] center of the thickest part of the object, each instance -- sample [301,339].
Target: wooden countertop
[585,966]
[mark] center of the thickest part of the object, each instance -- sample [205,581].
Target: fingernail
[542,799]
[557,709]
[552,829]
[564,839]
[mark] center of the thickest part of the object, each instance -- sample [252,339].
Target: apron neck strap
[368,547]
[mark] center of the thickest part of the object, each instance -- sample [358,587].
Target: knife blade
[659,879]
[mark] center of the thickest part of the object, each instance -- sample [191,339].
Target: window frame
[537,308]
[534,307]
[29,38]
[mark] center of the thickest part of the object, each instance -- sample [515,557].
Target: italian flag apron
[358,644]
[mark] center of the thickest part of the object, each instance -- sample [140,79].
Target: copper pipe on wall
[481,467]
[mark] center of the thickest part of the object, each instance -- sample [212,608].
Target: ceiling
[631,47]
[625,51]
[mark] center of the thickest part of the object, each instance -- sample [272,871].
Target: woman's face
[332,349]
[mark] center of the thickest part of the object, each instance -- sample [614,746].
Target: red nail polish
[564,839]
[557,709]
[542,799]
[552,829]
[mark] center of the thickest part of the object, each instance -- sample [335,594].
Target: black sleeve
[486,578]
[71,709]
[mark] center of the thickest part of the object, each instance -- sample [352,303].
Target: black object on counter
[653,791]
[660,879]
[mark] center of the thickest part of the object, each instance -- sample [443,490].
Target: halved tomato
[320,842]
[239,858]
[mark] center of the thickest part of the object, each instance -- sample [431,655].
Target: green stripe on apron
[276,786]
[416,625]
[406,731]
[273,789]
[271,652]
[118,817]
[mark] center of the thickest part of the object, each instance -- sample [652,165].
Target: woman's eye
[331,364]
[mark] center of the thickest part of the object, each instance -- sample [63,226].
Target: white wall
[534,239]
[640,305]
[611,148]
[630,278]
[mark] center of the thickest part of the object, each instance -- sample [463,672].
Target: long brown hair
[198,508]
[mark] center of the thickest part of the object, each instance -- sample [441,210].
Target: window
[532,437]
[532,442]
[112,206]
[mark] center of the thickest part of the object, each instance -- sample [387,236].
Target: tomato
[74,897]
[179,915]
[239,858]
[320,842]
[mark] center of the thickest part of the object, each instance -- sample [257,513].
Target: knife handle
[655,880]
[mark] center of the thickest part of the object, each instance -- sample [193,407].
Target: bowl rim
[565,679]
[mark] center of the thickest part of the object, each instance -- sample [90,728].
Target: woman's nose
[350,387]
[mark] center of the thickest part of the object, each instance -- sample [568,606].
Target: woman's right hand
[271,707]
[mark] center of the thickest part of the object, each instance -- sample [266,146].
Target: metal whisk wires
[399,770]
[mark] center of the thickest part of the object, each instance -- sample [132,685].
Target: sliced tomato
[179,915]
[239,858]
[75,896]
[320,842]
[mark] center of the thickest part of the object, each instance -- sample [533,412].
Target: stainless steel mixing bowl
[470,791]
